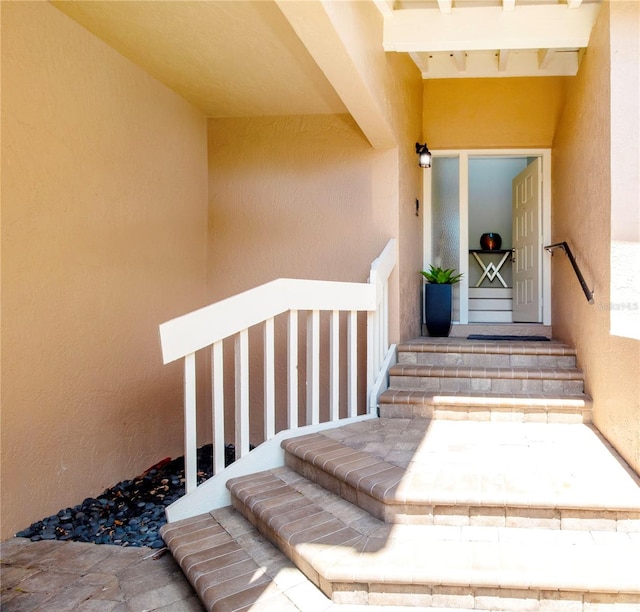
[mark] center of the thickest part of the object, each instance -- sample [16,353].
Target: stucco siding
[104,207]
[584,152]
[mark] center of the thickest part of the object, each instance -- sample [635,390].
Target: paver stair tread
[338,543]
[223,574]
[452,463]
[461,345]
[529,373]
[481,398]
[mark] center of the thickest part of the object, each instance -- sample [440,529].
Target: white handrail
[183,336]
[201,328]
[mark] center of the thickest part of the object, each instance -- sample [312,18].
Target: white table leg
[491,271]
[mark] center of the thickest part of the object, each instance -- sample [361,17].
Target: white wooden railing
[208,327]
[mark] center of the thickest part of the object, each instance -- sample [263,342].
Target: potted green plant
[438,299]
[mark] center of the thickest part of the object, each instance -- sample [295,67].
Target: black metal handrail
[565,247]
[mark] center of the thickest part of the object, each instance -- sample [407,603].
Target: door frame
[463,156]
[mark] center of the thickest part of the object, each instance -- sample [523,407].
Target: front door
[526,210]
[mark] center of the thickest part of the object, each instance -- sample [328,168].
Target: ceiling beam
[489,28]
[460,58]
[503,57]
[319,35]
[421,60]
[544,58]
[384,6]
[444,6]
[485,64]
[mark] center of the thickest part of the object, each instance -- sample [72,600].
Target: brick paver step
[483,406]
[475,473]
[223,574]
[461,352]
[461,345]
[441,371]
[354,558]
[518,380]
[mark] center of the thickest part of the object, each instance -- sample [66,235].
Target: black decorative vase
[491,241]
[437,309]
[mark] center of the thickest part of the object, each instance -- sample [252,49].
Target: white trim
[352,363]
[213,493]
[489,28]
[545,156]
[463,255]
[384,6]
[544,58]
[201,328]
[546,236]
[190,421]
[269,380]
[241,359]
[444,6]
[313,367]
[217,405]
[503,58]
[334,365]
[292,370]
[460,59]
[205,326]
[427,246]
[381,383]
[497,63]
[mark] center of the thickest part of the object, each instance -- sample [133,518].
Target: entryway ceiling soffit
[489,38]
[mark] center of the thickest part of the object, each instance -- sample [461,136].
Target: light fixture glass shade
[425,160]
[424,155]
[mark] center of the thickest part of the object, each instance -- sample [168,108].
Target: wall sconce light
[424,155]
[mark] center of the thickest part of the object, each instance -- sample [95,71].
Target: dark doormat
[508,338]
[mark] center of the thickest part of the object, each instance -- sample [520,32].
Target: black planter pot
[437,309]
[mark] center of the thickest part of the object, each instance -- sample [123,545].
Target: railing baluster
[372,330]
[190,449]
[334,365]
[313,367]
[352,363]
[292,369]
[242,393]
[217,405]
[384,321]
[233,317]
[269,381]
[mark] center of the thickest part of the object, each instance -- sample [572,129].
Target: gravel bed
[129,513]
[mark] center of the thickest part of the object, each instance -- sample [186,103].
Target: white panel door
[526,203]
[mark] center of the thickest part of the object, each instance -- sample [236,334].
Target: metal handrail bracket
[565,247]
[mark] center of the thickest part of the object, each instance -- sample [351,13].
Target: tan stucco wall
[104,208]
[292,197]
[297,197]
[584,151]
[300,197]
[407,124]
[492,113]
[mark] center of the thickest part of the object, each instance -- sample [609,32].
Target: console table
[491,270]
